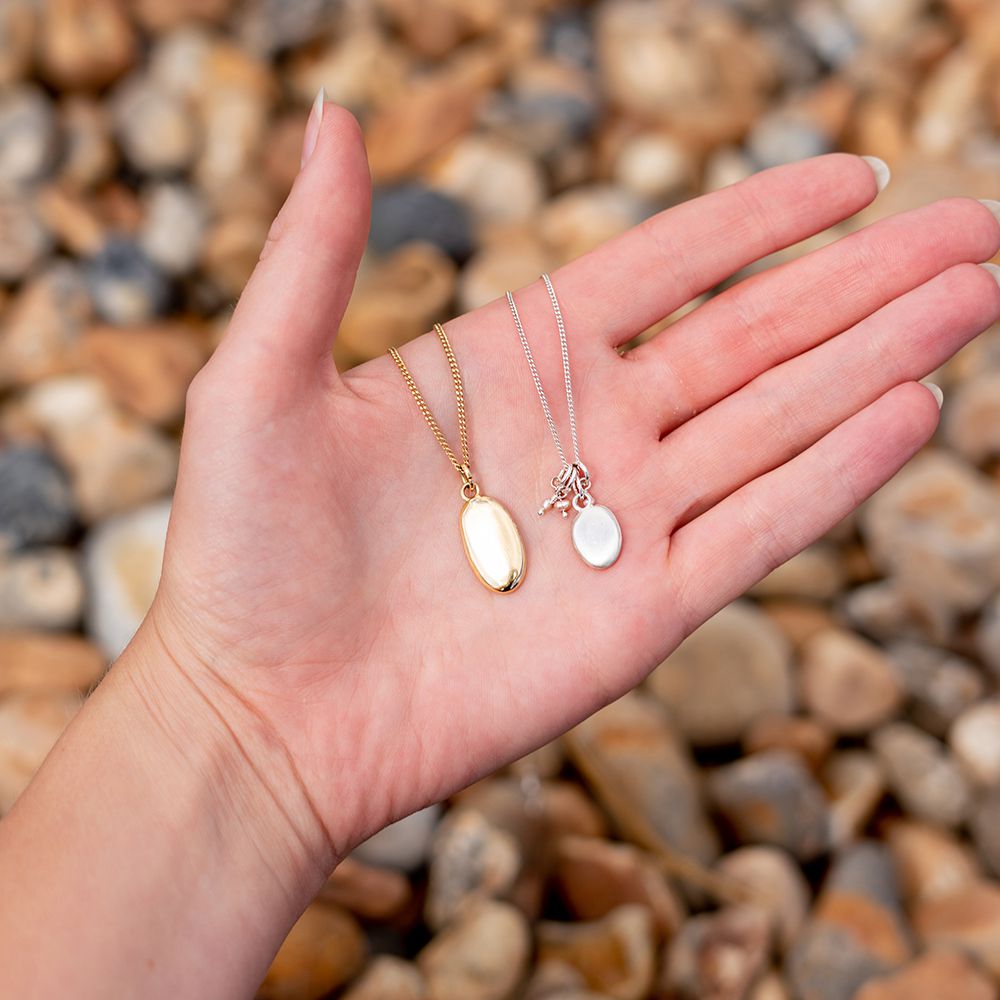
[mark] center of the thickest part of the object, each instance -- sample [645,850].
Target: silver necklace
[597,536]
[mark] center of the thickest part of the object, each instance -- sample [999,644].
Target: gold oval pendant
[492,544]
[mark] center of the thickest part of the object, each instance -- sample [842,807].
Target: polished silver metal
[597,537]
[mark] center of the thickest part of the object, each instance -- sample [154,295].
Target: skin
[319,659]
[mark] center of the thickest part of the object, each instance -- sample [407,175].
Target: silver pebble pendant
[597,536]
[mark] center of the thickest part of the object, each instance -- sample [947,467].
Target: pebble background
[808,804]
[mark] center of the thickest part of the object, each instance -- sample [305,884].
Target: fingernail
[935,392]
[880,169]
[993,206]
[994,269]
[312,126]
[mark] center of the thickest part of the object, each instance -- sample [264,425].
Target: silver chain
[573,477]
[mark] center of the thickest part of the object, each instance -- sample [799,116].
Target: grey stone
[37,506]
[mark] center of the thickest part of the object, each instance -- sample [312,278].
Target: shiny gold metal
[489,535]
[492,544]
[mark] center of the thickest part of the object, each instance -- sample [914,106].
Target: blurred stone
[158,15]
[30,724]
[564,806]
[615,954]
[554,979]
[404,844]
[156,129]
[856,783]
[434,27]
[421,119]
[968,920]
[24,238]
[935,528]
[232,247]
[27,135]
[771,798]
[125,285]
[39,332]
[389,978]
[509,262]
[410,212]
[922,774]
[718,955]
[547,108]
[270,26]
[975,741]
[856,931]
[939,973]
[784,137]
[733,670]
[778,886]
[36,502]
[397,299]
[85,44]
[366,891]
[40,589]
[71,219]
[579,220]
[726,166]
[701,70]
[37,662]
[325,949]
[769,987]
[972,418]
[123,556]
[988,636]
[984,824]
[492,177]
[641,773]
[883,611]
[482,956]
[848,683]
[146,370]
[567,36]
[115,462]
[798,619]
[594,877]
[18,29]
[173,227]
[816,572]
[470,860]
[940,685]
[929,862]
[89,155]
[947,103]
[807,737]
[655,166]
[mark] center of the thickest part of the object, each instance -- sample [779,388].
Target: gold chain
[462,467]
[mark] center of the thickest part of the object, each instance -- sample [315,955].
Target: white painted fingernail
[993,206]
[880,169]
[935,392]
[311,136]
[994,269]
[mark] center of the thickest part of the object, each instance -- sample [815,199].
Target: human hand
[314,591]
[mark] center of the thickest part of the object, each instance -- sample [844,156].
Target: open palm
[314,578]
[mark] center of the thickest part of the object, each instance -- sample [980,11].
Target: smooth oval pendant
[492,543]
[597,536]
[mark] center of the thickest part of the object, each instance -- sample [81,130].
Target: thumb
[289,312]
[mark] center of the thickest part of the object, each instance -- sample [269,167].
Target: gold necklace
[492,543]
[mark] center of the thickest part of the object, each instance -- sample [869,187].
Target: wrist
[228,760]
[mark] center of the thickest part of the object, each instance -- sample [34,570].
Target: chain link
[462,467]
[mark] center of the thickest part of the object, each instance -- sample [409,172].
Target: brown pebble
[43,662]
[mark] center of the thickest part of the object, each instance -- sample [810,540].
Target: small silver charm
[596,533]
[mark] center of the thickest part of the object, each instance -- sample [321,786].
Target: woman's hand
[315,594]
